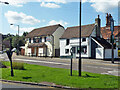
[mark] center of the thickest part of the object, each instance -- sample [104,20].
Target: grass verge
[36,73]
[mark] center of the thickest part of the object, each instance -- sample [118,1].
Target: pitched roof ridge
[49,26]
[81,26]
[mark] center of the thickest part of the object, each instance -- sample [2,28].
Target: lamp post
[4,2]
[18,38]
[112,37]
[79,66]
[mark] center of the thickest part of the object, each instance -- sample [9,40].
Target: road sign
[112,25]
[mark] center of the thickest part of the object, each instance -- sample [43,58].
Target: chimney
[98,26]
[108,20]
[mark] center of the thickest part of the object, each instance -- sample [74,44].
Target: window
[29,40]
[84,39]
[78,49]
[34,40]
[40,39]
[84,49]
[66,51]
[67,41]
[45,39]
[74,49]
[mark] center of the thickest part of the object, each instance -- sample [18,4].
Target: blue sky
[30,15]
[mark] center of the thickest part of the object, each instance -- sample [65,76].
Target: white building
[92,43]
[44,41]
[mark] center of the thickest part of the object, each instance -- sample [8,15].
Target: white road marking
[114,72]
[1,57]
[98,67]
[42,61]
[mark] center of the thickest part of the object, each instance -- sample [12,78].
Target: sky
[31,14]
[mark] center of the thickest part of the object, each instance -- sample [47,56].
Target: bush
[18,65]
[119,53]
[2,65]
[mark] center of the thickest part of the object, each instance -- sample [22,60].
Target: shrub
[18,65]
[2,65]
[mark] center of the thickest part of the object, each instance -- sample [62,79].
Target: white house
[92,43]
[44,41]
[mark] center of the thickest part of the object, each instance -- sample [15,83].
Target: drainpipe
[53,45]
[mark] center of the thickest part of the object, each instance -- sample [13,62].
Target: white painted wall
[108,53]
[99,53]
[74,42]
[29,51]
[40,52]
[57,34]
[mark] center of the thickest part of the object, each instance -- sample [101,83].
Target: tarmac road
[89,65]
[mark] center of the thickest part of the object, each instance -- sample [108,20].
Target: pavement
[13,85]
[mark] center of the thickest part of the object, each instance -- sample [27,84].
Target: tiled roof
[118,35]
[106,32]
[103,42]
[73,32]
[48,30]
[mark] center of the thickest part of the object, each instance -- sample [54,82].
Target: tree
[18,39]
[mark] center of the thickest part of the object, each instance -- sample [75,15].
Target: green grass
[36,73]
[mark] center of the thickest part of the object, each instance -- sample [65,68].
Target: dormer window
[40,40]
[34,40]
[84,39]
[67,41]
[45,39]
[29,40]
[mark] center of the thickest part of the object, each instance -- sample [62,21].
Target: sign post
[9,54]
[71,51]
[112,37]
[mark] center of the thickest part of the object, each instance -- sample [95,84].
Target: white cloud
[19,3]
[99,5]
[49,5]
[21,30]
[104,5]
[15,17]
[53,22]
[56,1]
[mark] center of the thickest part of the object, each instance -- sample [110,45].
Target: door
[93,49]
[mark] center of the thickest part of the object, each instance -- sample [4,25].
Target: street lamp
[79,66]
[18,39]
[4,2]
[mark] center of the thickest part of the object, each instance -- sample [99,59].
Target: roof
[103,42]
[73,32]
[106,32]
[48,30]
[36,44]
[118,35]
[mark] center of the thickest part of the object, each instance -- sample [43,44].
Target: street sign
[112,25]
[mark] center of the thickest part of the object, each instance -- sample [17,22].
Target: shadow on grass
[26,77]
[85,76]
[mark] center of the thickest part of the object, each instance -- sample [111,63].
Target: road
[89,65]
[17,86]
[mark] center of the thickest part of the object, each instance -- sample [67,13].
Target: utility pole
[79,66]
[112,37]
[18,38]
[4,2]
